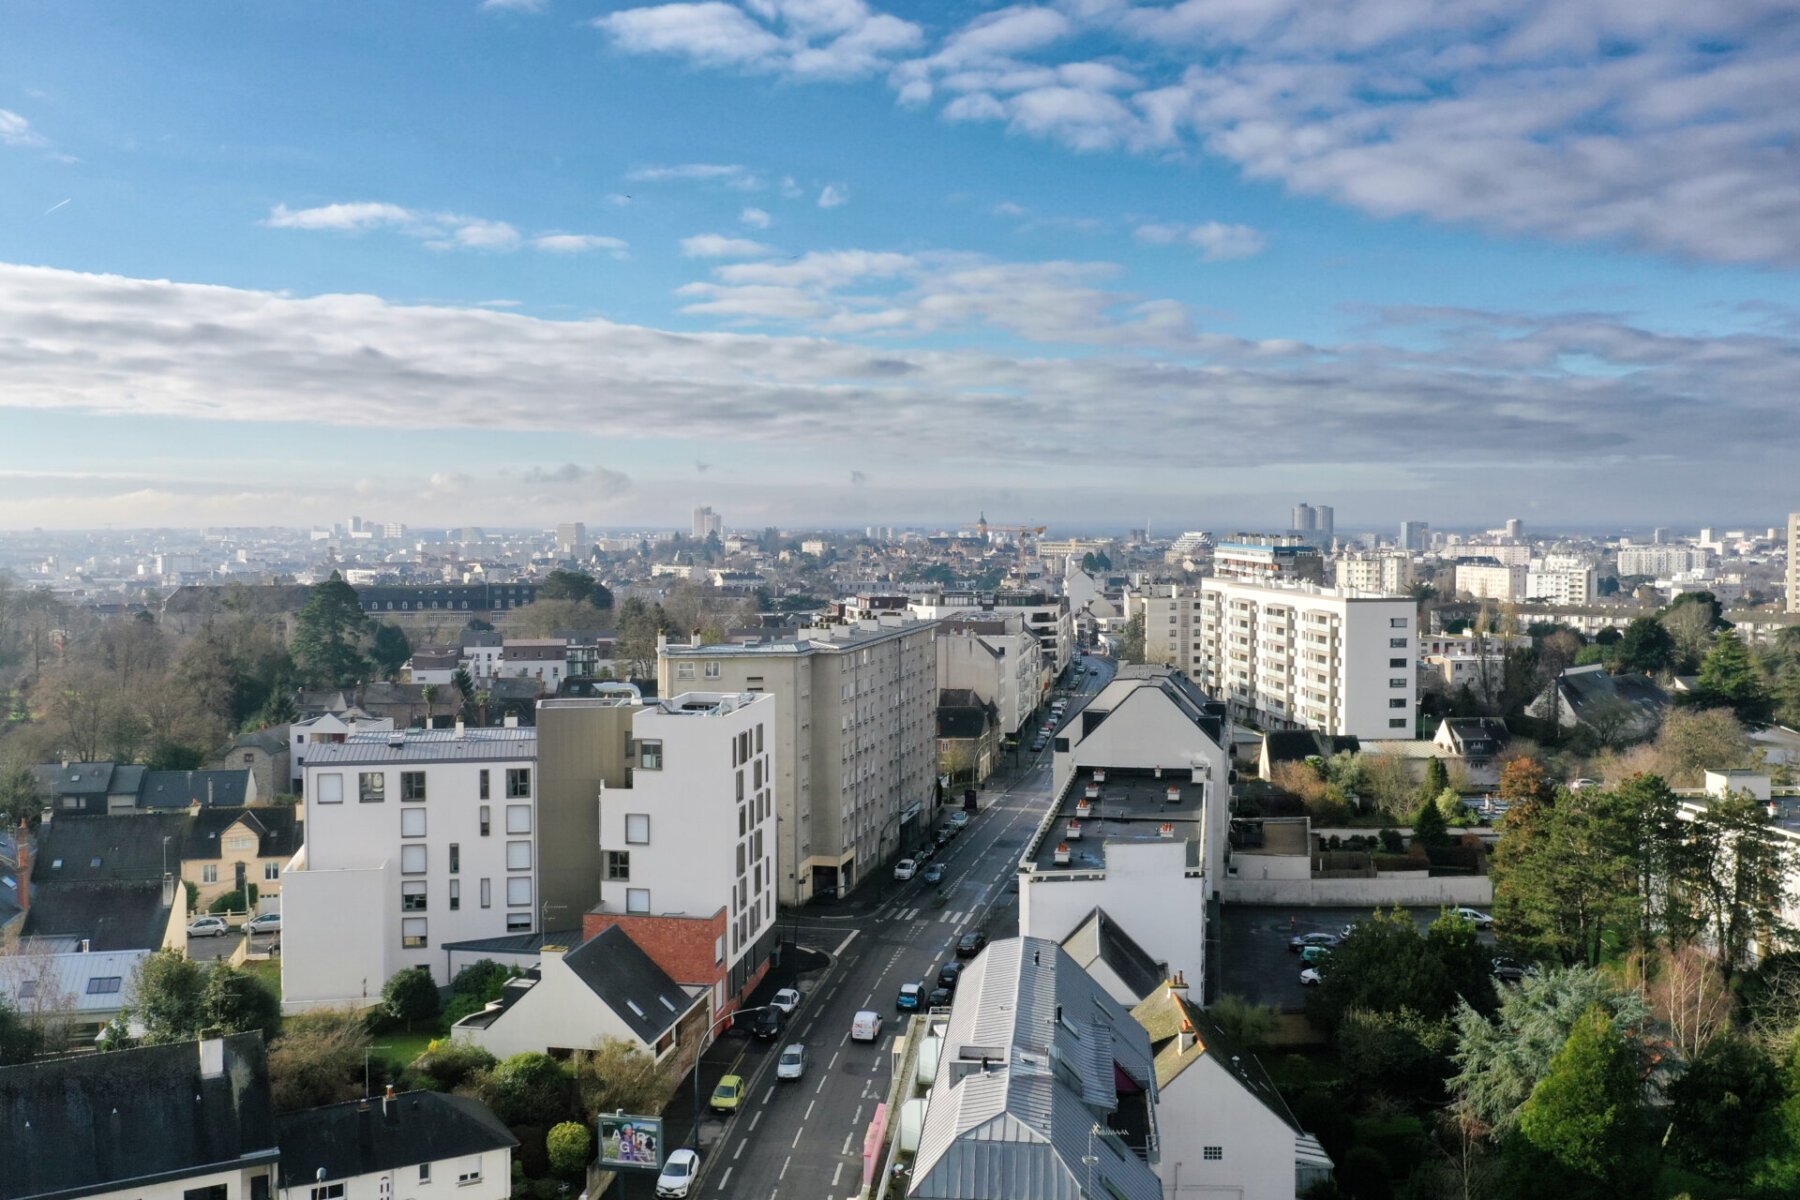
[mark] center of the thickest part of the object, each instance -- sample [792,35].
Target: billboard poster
[631,1142]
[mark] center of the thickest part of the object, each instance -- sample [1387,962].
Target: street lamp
[694,1136]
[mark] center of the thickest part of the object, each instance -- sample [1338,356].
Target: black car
[948,974]
[766,1023]
[939,998]
[971,944]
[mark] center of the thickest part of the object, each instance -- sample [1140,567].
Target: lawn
[268,970]
[399,1047]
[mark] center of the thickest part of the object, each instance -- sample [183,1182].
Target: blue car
[911,997]
[934,873]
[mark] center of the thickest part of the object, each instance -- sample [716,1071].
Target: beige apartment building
[856,730]
[1382,572]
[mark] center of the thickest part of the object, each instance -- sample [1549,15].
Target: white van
[866,1026]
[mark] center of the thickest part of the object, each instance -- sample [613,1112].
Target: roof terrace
[1110,806]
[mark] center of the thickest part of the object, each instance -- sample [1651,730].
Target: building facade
[996,659]
[1491,580]
[855,741]
[1381,573]
[1566,586]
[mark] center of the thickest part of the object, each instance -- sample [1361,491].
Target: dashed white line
[848,1138]
[738,1153]
[756,1120]
[809,1108]
[833,1061]
[784,1166]
[835,1173]
[797,1134]
[770,1094]
[724,1179]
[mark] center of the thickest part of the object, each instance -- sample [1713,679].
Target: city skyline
[1089,265]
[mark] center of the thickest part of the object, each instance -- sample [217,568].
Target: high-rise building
[707,523]
[1382,572]
[571,538]
[1324,523]
[1304,520]
[856,741]
[1659,536]
[1793,563]
[1515,528]
[1491,580]
[1415,535]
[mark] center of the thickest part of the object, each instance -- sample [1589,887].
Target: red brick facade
[685,947]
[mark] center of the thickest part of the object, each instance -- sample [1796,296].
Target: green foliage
[19,1039]
[326,635]
[1437,778]
[234,902]
[1398,1051]
[410,996]
[1586,1114]
[1429,829]
[570,1146]
[192,891]
[319,1059]
[1387,966]
[635,648]
[278,709]
[173,756]
[22,797]
[529,1089]
[166,990]
[1729,678]
[1722,1104]
[1392,842]
[451,1063]
[1450,807]
[235,1001]
[1729,877]
[389,649]
[574,585]
[1131,647]
[1245,1023]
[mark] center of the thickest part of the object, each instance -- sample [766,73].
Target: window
[412,896]
[412,933]
[487,894]
[412,859]
[1397,664]
[371,787]
[637,829]
[759,736]
[637,900]
[1212,1153]
[455,894]
[328,1191]
[209,873]
[330,789]
[1396,722]
[487,820]
[104,985]
[1397,702]
[518,818]
[518,856]
[518,922]
[412,822]
[484,784]
[412,785]
[1397,643]
[271,872]
[238,845]
[424,1172]
[1394,683]
[650,756]
[518,783]
[1396,622]
[684,670]
[518,892]
[618,866]
[712,670]
[455,857]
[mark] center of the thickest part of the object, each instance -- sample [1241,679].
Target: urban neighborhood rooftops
[1132,804]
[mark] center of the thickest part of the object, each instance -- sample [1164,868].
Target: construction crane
[1023,531]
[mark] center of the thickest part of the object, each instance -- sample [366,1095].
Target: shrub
[528,1089]
[410,996]
[569,1145]
[233,902]
[1245,1023]
[453,1063]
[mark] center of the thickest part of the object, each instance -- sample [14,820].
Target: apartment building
[997,659]
[1793,563]
[1384,573]
[707,523]
[1294,656]
[1047,618]
[688,842]
[855,732]
[414,838]
[1663,561]
[1491,580]
[1268,560]
[1572,585]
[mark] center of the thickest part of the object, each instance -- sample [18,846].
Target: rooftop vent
[1093,791]
[1084,808]
[1173,795]
[1099,774]
[1061,857]
[1168,829]
[1074,831]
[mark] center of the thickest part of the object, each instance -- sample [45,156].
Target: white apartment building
[324,730]
[1047,617]
[1793,563]
[1661,561]
[1382,573]
[855,755]
[414,838]
[689,844]
[707,523]
[1567,586]
[1292,656]
[997,660]
[1491,580]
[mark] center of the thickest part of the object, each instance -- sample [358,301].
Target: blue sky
[828,261]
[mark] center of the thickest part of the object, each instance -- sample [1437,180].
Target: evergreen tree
[19,1039]
[1428,825]
[390,649]
[410,996]
[1437,778]
[1646,647]
[166,991]
[327,632]
[1729,677]
[1585,1117]
[1722,1103]
[235,1001]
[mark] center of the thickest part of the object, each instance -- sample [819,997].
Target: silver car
[792,1063]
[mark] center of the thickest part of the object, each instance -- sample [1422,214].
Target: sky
[1085,264]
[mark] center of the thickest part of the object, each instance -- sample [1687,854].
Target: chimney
[459,729]
[511,721]
[1188,1036]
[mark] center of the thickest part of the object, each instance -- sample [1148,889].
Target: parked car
[1327,940]
[266,923]
[971,944]
[939,998]
[1507,970]
[1310,977]
[208,927]
[935,873]
[1314,955]
[1475,917]
[787,1000]
[943,834]
[959,818]
[949,973]
[865,1026]
[766,1023]
[911,998]
[792,1063]
[925,853]
[726,1096]
[906,868]
[678,1174]
[1037,743]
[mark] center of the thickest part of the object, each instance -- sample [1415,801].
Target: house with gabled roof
[396,1147]
[1226,1131]
[1104,950]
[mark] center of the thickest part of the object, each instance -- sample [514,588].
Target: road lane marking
[820,1088]
[847,1139]
[809,1108]
[784,1166]
[726,1178]
[740,1150]
[756,1120]
[770,1094]
[797,1134]
[847,940]
[839,1170]
[833,1061]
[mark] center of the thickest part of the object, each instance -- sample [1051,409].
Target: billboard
[631,1142]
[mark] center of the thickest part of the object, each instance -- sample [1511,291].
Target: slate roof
[1477,737]
[1163,1015]
[1206,713]
[1099,938]
[95,1123]
[111,916]
[179,789]
[426,745]
[349,1139]
[629,982]
[61,982]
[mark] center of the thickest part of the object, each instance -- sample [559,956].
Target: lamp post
[694,1136]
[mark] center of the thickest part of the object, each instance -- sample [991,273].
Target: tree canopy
[327,633]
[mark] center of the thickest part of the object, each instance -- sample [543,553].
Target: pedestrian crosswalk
[952,917]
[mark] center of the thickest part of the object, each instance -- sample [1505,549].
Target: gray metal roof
[805,645]
[426,745]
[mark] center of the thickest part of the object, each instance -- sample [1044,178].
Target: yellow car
[725,1097]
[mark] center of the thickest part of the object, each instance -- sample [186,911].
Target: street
[804,1138]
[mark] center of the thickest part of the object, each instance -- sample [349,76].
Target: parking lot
[1254,957]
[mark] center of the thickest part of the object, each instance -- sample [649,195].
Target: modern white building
[1491,580]
[1566,586]
[1291,656]
[324,730]
[707,523]
[1662,561]
[1379,572]
[414,838]
[688,845]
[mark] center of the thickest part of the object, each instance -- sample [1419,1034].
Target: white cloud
[438,230]
[756,218]
[834,195]
[731,175]
[17,131]
[1216,240]
[344,218]
[809,39]
[530,6]
[578,243]
[713,245]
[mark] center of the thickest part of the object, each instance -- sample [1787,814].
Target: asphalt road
[804,1138]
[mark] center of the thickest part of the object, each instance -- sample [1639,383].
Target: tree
[1646,647]
[1437,778]
[22,797]
[1586,1114]
[389,649]
[1729,883]
[410,996]
[429,694]
[278,709]
[1691,622]
[453,1062]
[464,683]
[1385,966]
[615,1075]
[574,585]
[1722,1103]
[529,1089]
[319,1059]
[1131,647]
[235,1001]
[635,648]
[1428,825]
[569,1146]
[1729,678]
[326,634]
[1565,873]
[20,1040]
[165,995]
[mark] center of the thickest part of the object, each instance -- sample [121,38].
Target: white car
[906,868]
[792,1063]
[1310,977]
[266,923]
[678,1173]
[787,1000]
[208,927]
[866,1026]
[1479,920]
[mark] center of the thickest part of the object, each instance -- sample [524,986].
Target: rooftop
[340,1141]
[426,745]
[1129,805]
[842,639]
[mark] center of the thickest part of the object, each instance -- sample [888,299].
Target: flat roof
[1132,807]
[854,640]
[425,745]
